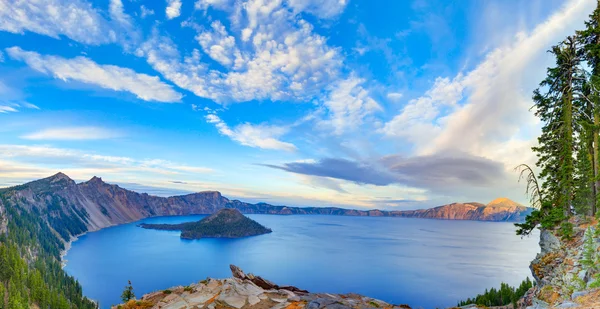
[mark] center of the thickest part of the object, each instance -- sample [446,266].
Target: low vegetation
[30,269]
[500,297]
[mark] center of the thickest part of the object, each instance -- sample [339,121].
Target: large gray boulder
[548,242]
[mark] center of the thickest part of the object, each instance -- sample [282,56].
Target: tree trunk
[596,186]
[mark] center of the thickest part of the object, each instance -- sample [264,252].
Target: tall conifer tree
[590,39]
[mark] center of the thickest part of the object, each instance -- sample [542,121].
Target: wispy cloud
[394,96]
[72,134]
[81,69]
[75,19]
[7,109]
[348,103]
[486,110]
[145,12]
[320,8]
[52,157]
[258,136]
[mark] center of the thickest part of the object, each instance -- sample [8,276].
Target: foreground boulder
[250,292]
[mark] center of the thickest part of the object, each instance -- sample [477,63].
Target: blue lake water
[420,262]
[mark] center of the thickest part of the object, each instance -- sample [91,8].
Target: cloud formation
[282,57]
[72,134]
[82,69]
[348,104]
[47,156]
[485,111]
[173,9]
[357,172]
[257,136]
[75,19]
[437,173]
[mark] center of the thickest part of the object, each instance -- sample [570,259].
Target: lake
[420,262]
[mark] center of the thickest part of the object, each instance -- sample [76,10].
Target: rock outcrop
[563,279]
[250,292]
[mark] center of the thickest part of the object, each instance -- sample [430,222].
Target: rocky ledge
[567,270]
[249,292]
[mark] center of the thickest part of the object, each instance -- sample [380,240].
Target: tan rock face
[501,209]
[240,292]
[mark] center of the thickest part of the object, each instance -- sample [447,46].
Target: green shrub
[566,230]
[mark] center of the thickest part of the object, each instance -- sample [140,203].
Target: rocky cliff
[249,292]
[97,204]
[567,269]
[501,209]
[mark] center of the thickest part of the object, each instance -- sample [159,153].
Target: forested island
[225,223]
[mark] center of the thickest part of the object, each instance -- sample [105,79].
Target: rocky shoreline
[63,253]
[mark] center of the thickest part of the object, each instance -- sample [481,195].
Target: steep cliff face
[3,218]
[566,271]
[462,211]
[501,209]
[96,204]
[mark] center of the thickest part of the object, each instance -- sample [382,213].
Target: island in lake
[225,223]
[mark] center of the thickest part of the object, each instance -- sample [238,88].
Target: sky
[355,103]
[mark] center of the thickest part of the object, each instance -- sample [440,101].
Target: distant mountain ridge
[97,204]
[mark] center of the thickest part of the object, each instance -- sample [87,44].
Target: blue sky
[355,103]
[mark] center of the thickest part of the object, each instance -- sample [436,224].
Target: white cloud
[145,12]
[173,9]
[220,46]
[72,133]
[320,8]
[75,19]
[81,69]
[29,105]
[493,119]
[285,59]
[1,56]
[394,96]
[416,122]
[47,156]
[13,107]
[348,104]
[219,4]
[7,109]
[117,13]
[257,136]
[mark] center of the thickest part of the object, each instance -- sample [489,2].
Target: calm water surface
[420,262]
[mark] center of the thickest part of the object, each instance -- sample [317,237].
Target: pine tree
[557,109]
[584,177]
[590,257]
[128,293]
[590,40]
